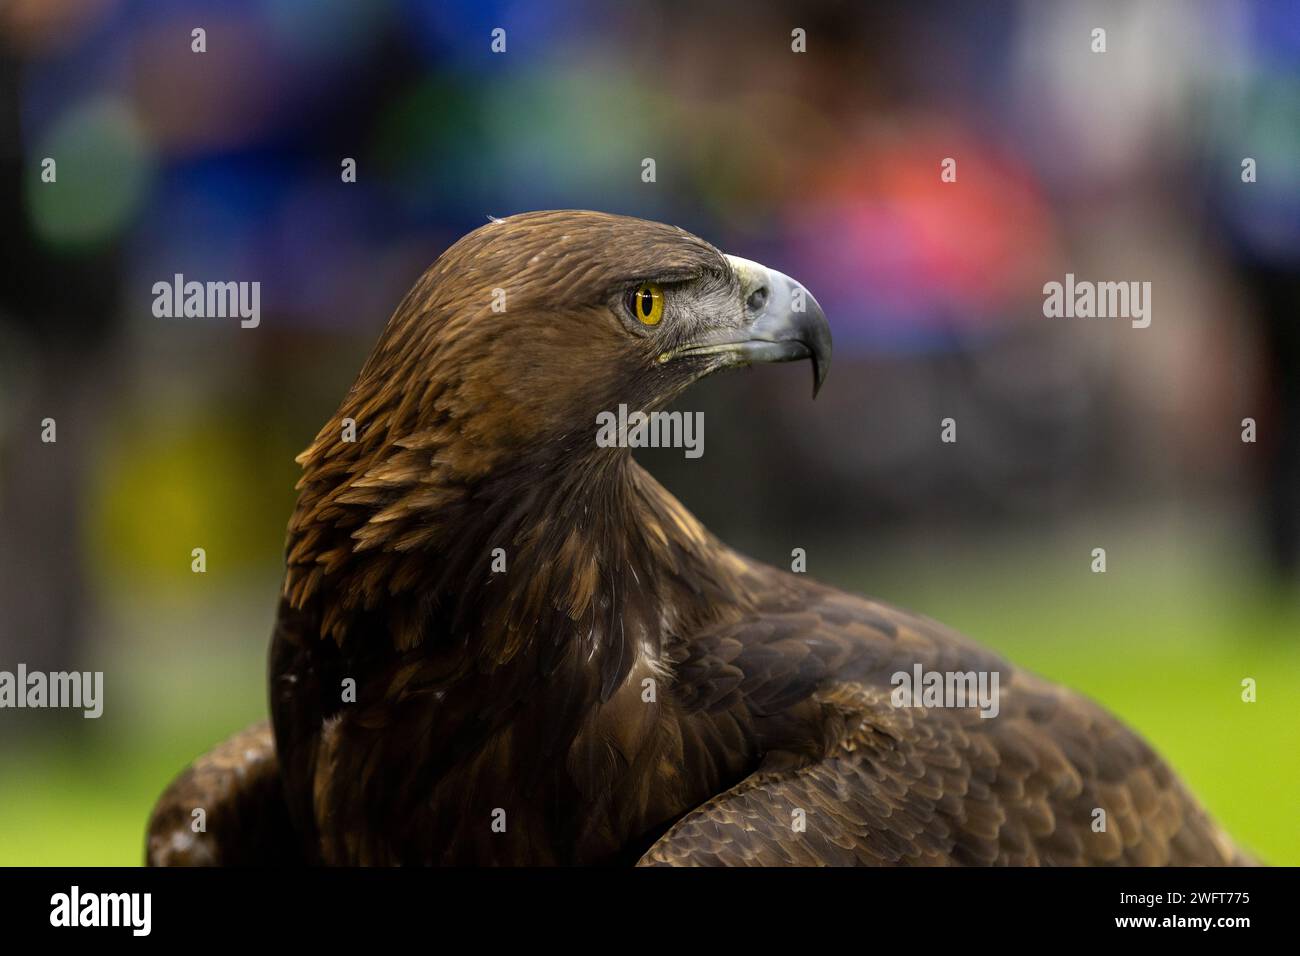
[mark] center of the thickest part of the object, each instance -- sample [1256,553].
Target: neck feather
[527,557]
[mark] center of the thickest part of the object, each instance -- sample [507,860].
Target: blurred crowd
[226,164]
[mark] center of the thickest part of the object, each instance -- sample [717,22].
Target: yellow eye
[646,302]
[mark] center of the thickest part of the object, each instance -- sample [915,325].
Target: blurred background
[1072,434]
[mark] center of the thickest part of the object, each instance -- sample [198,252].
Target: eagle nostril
[757,299]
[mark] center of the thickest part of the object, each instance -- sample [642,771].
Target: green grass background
[1163,639]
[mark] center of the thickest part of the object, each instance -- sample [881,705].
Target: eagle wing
[245,820]
[893,785]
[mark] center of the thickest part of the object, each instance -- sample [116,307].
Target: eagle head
[529,326]
[477,409]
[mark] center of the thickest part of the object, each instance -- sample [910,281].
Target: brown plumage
[628,688]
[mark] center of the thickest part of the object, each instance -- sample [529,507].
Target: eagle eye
[646,303]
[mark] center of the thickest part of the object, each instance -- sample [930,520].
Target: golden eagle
[502,642]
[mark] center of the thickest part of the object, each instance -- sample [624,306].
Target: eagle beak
[784,323]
